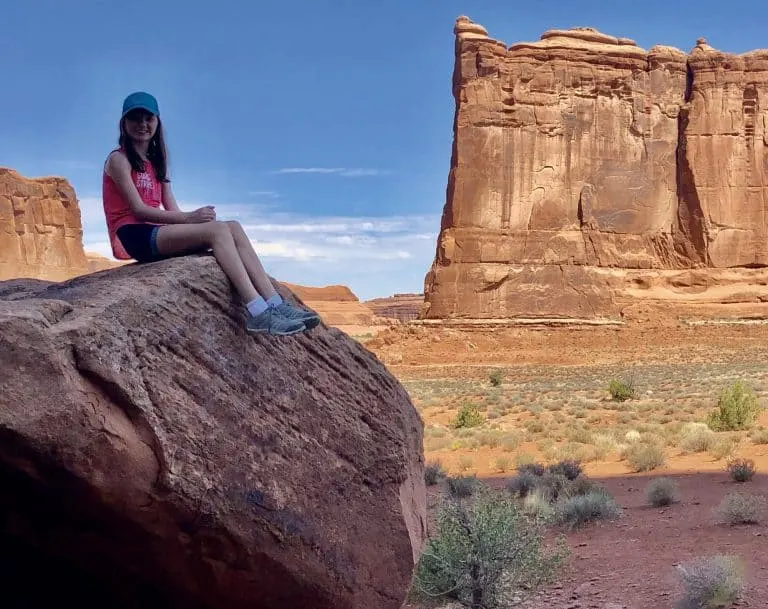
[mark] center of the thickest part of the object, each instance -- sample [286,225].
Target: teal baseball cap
[142,100]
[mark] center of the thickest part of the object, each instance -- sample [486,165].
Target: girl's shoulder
[116,160]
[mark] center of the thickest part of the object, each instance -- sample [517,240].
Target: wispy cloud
[345,172]
[374,255]
[267,194]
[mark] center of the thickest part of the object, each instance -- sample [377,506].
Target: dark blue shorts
[140,241]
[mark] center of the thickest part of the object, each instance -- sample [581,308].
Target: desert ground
[542,393]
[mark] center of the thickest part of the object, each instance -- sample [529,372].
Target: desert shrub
[710,583]
[496,376]
[741,470]
[737,408]
[697,439]
[551,485]
[537,505]
[621,390]
[644,457]
[736,508]
[468,416]
[433,473]
[491,438]
[580,486]
[534,426]
[522,484]
[503,464]
[465,463]
[723,448]
[485,553]
[579,434]
[568,468]
[578,510]
[510,442]
[462,486]
[537,469]
[632,436]
[661,492]
[760,436]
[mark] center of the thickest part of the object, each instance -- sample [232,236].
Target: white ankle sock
[256,306]
[274,300]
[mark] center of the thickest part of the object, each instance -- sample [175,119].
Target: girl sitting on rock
[136,186]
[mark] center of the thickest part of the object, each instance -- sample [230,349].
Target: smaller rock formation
[403,307]
[152,451]
[40,231]
[338,306]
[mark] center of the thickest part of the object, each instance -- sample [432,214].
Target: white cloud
[341,171]
[374,256]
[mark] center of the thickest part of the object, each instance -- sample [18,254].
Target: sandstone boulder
[582,152]
[153,454]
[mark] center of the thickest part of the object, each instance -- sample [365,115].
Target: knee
[236,230]
[218,232]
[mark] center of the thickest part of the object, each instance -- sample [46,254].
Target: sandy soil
[554,381]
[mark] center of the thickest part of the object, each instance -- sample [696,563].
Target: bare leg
[182,238]
[250,260]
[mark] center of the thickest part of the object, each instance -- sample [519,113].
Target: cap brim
[140,107]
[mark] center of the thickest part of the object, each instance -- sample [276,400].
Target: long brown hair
[157,153]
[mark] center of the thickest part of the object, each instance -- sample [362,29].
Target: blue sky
[325,127]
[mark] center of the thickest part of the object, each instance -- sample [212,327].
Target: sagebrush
[710,583]
[485,553]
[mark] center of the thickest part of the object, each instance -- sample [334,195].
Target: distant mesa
[588,173]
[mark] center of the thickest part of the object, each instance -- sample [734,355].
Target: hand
[200,215]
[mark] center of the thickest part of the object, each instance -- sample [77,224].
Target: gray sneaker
[309,319]
[274,323]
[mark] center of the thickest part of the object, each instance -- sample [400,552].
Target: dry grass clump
[644,457]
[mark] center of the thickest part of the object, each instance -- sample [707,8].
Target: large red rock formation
[153,454]
[40,231]
[582,153]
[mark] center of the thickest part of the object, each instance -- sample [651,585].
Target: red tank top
[116,209]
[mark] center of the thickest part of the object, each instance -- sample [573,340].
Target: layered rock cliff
[582,153]
[40,229]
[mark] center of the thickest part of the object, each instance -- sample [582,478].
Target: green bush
[433,473]
[485,553]
[468,416]
[711,583]
[661,492]
[578,510]
[741,470]
[737,409]
[644,457]
[621,390]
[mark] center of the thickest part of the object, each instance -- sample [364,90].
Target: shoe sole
[311,322]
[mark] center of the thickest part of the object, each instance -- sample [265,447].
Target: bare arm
[119,169]
[169,201]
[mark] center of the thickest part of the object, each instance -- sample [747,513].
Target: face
[140,125]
